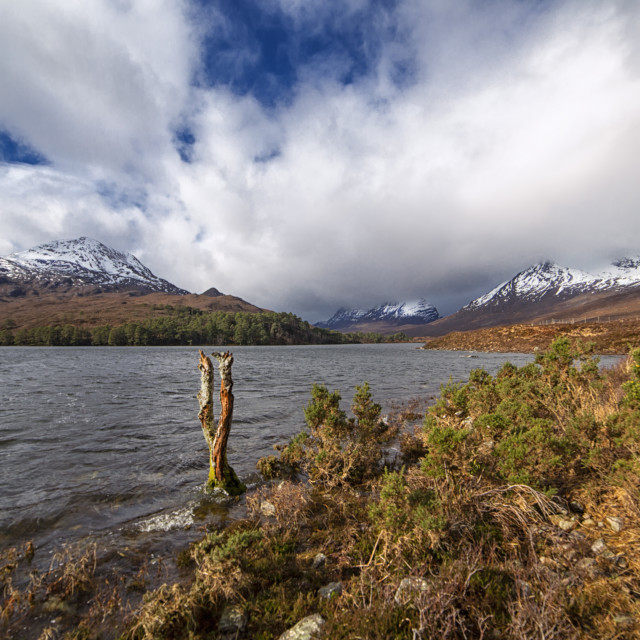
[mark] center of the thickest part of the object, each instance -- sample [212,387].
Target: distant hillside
[548,293]
[615,337]
[84,283]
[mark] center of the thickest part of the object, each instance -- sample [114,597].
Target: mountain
[382,318]
[80,263]
[548,292]
[534,285]
[84,283]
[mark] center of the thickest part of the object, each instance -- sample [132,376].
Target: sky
[307,155]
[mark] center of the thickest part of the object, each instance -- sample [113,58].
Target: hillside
[615,337]
[93,310]
[590,306]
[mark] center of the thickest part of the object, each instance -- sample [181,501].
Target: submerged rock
[305,629]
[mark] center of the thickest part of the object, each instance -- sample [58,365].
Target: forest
[183,325]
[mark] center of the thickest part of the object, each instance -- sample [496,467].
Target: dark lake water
[105,442]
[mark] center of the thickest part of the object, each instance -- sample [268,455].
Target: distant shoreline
[608,338]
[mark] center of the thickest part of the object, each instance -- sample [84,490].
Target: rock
[305,629]
[268,508]
[329,590]
[319,561]
[486,447]
[588,522]
[599,548]
[524,588]
[563,523]
[409,587]
[233,619]
[588,566]
[576,507]
[616,524]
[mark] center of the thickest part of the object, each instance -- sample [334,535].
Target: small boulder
[233,619]
[409,588]
[305,629]
[329,590]
[319,561]
[615,524]
[563,523]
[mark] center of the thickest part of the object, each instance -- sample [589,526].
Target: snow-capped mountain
[418,312]
[81,262]
[622,273]
[532,284]
[549,280]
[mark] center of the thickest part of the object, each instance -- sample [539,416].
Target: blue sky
[310,155]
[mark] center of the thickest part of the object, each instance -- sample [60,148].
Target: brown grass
[615,337]
[106,308]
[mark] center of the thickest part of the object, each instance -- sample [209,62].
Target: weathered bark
[221,475]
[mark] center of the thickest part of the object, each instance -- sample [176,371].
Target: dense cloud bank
[312,155]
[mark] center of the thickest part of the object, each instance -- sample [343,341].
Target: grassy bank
[511,513]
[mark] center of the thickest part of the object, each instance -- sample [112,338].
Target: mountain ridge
[389,313]
[82,262]
[547,292]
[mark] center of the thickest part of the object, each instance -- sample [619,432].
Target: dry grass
[106,308]
[615,337]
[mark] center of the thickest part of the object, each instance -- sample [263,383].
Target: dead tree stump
[221,475]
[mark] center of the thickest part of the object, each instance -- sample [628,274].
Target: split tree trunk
[221,475]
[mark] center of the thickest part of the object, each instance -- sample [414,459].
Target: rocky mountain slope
[80,263]
[388,314]
[548,292]
[85,283]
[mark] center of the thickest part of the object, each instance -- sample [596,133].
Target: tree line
[186,326]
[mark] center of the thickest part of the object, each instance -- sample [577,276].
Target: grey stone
[333,588]
[319,561]
[408,588]
[268,508]
[305,629]
[616,524]
[233,619]
[588,565]
[566,525]
[524,588]
[486,447]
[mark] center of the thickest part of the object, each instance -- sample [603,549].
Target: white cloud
[96,84]
[515,141]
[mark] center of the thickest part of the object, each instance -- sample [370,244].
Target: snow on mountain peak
[550,279]
[86,262]
[414,312]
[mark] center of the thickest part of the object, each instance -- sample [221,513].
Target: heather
[510,511]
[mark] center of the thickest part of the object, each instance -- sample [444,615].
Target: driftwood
[221,475]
